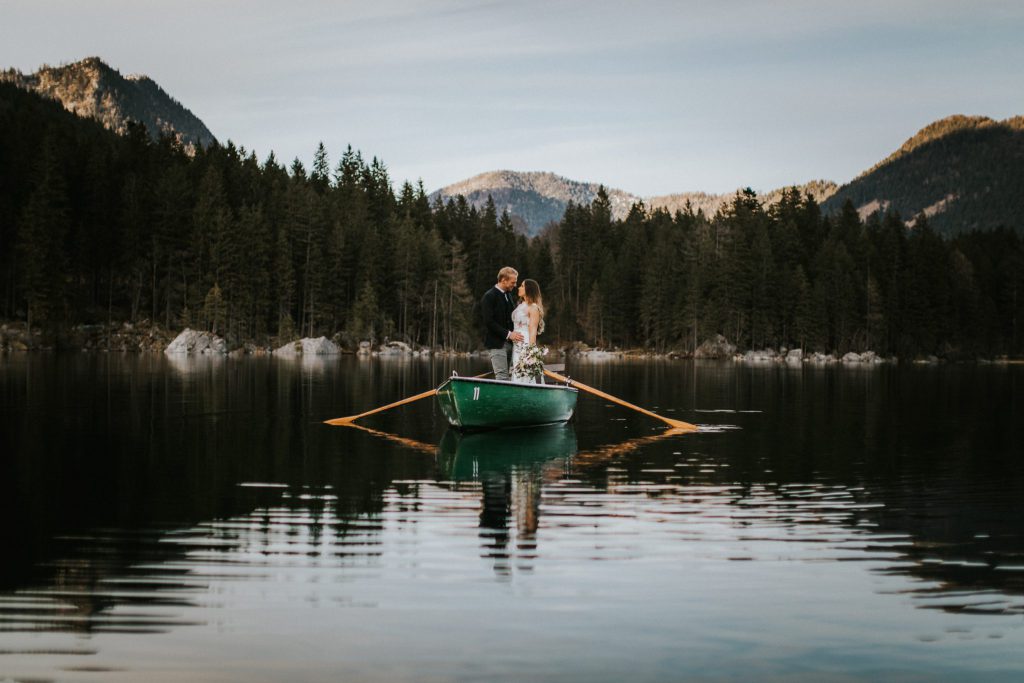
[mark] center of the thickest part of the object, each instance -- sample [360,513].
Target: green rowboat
[473,404]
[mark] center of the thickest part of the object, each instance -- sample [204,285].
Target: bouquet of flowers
[530,363]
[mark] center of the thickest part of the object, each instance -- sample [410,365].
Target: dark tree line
[785,276]
[97,227]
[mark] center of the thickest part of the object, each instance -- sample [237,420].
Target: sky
[649,97]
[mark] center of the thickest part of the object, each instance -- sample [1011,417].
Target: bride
[528,320]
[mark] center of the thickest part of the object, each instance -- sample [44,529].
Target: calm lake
[184,520]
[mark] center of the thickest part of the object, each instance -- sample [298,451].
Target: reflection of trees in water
[956,533]
[921,464]
[149,579]
[142,449]
[112,481]
[130,443]
[97,587]
[963,542]
[906,526]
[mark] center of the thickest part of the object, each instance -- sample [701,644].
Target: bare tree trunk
[137,297]
[312,304]
[433,321]
[11,297]
[167,305]
[152,304]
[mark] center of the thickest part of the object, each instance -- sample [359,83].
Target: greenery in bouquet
[530,362]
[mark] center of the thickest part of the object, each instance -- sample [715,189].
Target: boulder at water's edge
[196,341]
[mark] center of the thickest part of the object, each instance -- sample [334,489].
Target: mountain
[93,89]
[711,203]
[534,199]
[961,172]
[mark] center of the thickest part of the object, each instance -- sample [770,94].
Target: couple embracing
[511,330]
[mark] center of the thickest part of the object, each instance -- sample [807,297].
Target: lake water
[182,520]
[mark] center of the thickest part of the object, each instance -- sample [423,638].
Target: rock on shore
[715,347]
[307,346]
[196,341]
[797,356]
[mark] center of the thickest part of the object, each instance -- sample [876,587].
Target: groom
[496,307]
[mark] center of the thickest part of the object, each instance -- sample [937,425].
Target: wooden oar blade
[680,425]
[341,421]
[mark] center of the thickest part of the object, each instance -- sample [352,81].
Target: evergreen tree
[366,318]
[284,284]
[106,227]
[320,174]
[215,310]
[40,245]
[456,299]
[170,241]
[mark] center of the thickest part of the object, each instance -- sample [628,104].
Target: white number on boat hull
[476,393]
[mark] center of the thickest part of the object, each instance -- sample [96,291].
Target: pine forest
[99,228]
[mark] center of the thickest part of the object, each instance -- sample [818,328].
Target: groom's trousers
[500,360]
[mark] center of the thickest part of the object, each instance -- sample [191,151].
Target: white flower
[530,362]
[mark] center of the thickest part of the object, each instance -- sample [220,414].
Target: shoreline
[145,337]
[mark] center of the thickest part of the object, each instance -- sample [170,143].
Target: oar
[340,421]
[677,424]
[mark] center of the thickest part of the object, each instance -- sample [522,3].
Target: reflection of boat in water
[465,456]
[473,403]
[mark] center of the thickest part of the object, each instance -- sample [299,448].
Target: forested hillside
[963,172]
[98,227]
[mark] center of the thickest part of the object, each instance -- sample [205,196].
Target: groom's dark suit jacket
[496,307]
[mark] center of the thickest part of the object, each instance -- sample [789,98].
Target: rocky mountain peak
[532,198]
[535,198]
[92,88]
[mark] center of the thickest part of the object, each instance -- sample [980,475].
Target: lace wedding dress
[521,324]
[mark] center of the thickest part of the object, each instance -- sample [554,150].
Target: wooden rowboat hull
[474,404]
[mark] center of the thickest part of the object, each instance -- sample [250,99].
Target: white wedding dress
[521,324]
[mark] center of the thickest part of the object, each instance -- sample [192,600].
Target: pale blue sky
[648,97]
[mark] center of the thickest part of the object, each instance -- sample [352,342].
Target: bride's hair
[532,291]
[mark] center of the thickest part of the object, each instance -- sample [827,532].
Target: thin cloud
[653,97]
